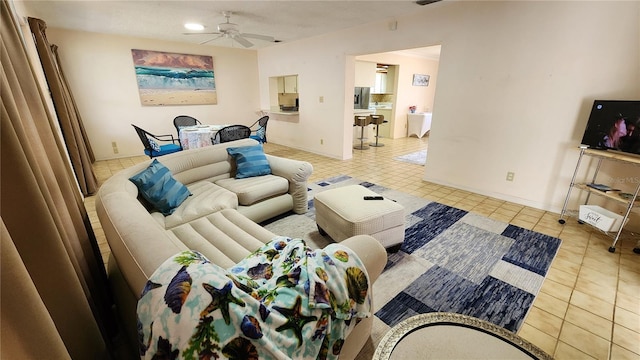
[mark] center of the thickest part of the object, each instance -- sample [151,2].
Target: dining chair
[230,133]
[260,133]
[151,146]
[184,120]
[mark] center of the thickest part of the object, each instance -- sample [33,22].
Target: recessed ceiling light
[194,26]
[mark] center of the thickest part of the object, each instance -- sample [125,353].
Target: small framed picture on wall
[420,80]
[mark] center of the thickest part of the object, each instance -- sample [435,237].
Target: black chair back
[184,120]
[260,133]
[144,136]
[230,133]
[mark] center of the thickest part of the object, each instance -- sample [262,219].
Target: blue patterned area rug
[451,260]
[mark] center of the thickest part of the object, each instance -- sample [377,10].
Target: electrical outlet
[321,141]
[321,99]
[510,176]
[114,145]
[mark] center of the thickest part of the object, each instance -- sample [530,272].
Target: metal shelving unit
[603,155]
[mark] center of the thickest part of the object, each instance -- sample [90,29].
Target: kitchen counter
[284,112]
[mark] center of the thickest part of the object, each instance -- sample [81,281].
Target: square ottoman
[343,212]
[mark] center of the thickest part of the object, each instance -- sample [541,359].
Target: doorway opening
[394,93]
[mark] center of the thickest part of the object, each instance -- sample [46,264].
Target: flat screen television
[614,125]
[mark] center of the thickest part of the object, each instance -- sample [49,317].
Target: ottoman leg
[321,231]
[394,249]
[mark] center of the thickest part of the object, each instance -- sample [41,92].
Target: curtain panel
[75,137]
[23,297]
[45,221]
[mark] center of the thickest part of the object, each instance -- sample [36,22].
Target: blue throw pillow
[159,188]
[250,161]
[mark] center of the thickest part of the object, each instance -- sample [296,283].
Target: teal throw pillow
[250,161]
[159,188]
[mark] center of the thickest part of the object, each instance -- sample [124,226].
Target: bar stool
[362,121]
[377,120]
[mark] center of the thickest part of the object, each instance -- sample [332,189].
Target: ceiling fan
[231,31]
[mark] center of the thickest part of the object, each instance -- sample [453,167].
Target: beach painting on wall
[174,79]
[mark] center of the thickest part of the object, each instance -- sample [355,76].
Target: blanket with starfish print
[283,301]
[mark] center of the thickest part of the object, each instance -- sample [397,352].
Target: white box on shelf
[601,218]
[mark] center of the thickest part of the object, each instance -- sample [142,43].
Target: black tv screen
[614,125]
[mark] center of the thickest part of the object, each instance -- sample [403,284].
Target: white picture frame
[420,80]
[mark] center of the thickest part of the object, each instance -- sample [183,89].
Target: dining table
[441,335]
[192,137]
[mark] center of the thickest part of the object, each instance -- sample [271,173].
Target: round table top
[453,336]
[196,136]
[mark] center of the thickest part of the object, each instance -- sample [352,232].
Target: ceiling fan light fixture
[194,26]
[227,27]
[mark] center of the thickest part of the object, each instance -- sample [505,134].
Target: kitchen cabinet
[288,84]
[291,84]
[365,74]
[385,81]
[280,84]
[381,83]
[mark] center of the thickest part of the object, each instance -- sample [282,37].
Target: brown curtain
[20,299]
[47,224]
[75,137]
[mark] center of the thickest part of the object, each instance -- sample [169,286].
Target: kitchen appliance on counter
[361,97]
[288,108]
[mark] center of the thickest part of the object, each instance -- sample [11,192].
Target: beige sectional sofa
[218,220]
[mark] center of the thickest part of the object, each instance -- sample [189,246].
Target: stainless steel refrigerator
[361,97]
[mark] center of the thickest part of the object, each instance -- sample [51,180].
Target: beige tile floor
[589,304]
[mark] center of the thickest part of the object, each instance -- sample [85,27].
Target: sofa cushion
[250,161]
[225,237]
[254,189]
[158,187]
[207,198]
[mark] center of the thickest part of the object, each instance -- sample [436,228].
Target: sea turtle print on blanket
[283,301]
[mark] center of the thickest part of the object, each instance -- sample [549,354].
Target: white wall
[515,84]
[100,71]
[516,80]
[321,73]
[517,97]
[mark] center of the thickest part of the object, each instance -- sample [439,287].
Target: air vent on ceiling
[426,2]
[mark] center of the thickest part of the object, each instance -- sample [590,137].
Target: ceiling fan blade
[244,42]
[259,37]
[214,38]
[202,33]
